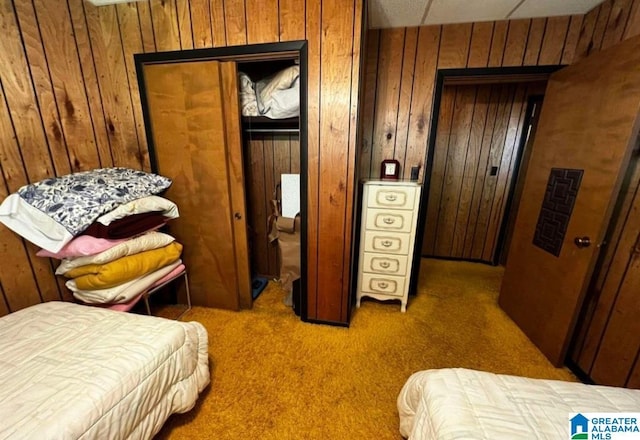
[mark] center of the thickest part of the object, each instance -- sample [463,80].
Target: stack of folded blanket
[103,225]
[116,268]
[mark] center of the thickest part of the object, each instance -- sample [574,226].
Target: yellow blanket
[103,276]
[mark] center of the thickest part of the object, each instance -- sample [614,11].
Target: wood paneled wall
[606,345]
[69,102]
[401,65]
[478,136]
[266,158]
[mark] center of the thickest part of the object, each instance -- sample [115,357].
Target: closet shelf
[262,124]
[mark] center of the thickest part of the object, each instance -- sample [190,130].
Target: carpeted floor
[275,377]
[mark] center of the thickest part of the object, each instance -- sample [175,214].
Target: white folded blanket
[122,293]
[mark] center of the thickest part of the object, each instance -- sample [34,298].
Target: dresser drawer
[389,220]
[386,242]
[395,197]
[383,284]
[385,264]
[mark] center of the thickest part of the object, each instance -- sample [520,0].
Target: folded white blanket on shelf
[247,96]
[123,292]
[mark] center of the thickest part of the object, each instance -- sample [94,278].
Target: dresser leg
[403,307]
[358,303]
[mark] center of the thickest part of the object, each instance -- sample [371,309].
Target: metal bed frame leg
[146,295]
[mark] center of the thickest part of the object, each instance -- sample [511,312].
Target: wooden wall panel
[406,88]
[388,93]
[218,23]
[235,21]
[70,95]
[130,26]
[480,45]
[573,34]
[516,42]
[313,30]
[266,158]
[185,29]
[454,157]
[555,35]
[454,45]
[358,44]
[334,158]
[480,131]
[620,11]
[420,119]
[80,68]
[534,41]
[291,20]
[42,83]
[266,28]
[18,279]
[539,41]
[166,32]
[66,76]
[632,29]
[113,82]
[258,211]
[367,107]
[498,43]
[201,23]
[472,163]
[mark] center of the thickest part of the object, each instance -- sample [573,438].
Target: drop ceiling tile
[396,13]
[550,8]
[465,11]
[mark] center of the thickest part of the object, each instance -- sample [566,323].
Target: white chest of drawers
[387,237]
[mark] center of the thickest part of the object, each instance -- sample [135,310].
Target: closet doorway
[481,130]
[484,122]
[197,137]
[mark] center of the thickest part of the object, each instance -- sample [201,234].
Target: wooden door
[192,109]
[477,141]
[606,342]
[587,127]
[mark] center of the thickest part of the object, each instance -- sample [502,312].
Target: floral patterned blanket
[77,200]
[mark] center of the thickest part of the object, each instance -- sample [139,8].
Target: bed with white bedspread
[456,403]
[76,372]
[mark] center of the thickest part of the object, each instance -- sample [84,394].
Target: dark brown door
[587,128]
[193,113]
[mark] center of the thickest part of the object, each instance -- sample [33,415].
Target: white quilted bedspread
[457,403]
[75,372]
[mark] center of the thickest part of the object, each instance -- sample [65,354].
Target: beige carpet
[275,377]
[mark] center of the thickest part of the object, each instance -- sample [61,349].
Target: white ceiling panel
[405,13]
[549,8]
[465,11]
[396,13]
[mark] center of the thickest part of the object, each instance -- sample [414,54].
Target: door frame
[249,52]
[470,76]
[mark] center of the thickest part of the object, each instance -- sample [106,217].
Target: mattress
[76,372]
[465,404]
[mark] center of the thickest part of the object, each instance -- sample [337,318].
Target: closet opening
[233,159]
[483,125]
[270,111]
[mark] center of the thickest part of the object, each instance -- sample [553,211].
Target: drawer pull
[386,243]
[385,264]
[383,284]
[389,220]
[391,197]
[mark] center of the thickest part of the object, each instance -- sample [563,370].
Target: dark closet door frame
[471,76]
[250,52]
